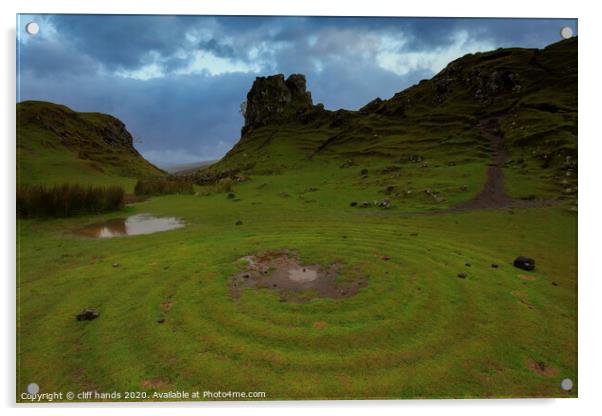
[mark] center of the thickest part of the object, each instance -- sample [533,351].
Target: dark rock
[524,263]
[554,284]
[467,264]
[366,204]
[495,266]
[462,275]
[239,222]
[231,195]
[88,314]
[353,204]
[161,321]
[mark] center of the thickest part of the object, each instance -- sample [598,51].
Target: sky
[177,82]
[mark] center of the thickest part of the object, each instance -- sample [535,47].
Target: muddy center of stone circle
[282,271]
[303,274]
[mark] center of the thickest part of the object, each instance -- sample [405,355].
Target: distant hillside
[56,144]
[529,94]
[188,168]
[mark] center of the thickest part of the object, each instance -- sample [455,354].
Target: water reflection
[133,225]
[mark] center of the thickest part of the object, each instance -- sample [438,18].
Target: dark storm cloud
[177,81]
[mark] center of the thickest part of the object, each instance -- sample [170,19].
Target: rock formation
[274,99]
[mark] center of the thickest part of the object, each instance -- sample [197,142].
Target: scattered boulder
[524,263]
[161,321]
[495,266]
[239,222]
[116,264]
[353,204]
[462,275]
[231,195]
[87,314]
[366,204]
[385,203]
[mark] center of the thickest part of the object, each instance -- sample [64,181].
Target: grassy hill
[57,145]
[425,137]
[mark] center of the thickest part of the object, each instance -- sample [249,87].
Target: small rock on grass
[87,314]
[495,266]
[239,222]
[462,275]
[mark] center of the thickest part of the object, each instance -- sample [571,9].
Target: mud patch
[320,324]
[282,272]
[541,368]
[527,277]
[166,306]
[160,384]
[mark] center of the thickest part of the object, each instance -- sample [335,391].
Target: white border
[590,202]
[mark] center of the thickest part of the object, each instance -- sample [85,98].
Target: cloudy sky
[178,81]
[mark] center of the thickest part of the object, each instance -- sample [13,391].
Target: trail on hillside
[493,195]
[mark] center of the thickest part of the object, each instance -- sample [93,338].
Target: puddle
[133,225]
[281,271]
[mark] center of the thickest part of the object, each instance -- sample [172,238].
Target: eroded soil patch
[282,272]
[541,368]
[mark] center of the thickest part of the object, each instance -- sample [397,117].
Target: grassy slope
[416,330]
[57,145]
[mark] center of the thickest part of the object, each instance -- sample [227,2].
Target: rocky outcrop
[274,99]
[485,83]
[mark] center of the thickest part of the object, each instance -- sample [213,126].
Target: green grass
[415,330]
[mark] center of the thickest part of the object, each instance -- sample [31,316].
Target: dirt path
[493,194]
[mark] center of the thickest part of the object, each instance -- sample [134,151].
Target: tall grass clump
[223,185]
[66,200]
[162,186]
